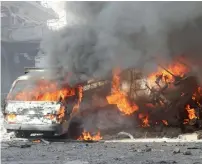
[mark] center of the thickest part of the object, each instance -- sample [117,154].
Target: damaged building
[23,25]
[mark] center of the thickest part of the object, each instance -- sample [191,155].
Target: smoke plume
[102,35]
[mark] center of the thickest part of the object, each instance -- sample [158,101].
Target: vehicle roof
[33,75]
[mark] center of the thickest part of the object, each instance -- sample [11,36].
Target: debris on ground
[148,149]
[45,141]
[176,151]
[25,145]
[125,134]
[187,152]
[189,137]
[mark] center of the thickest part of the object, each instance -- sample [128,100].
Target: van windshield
[27,90]
[40,90]
[22,85]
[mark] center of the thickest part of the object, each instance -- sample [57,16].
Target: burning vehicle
[171,96]
[38,105]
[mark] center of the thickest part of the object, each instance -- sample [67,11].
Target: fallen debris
[187,152]
[158,150]
[199,134]
[125,134]
[46,142]
[189,137]
[166,162]
[139,150]
[176,151]
[148,149]
[19,146]
[159,162]
[194,148]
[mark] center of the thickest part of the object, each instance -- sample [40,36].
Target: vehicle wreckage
[171,97]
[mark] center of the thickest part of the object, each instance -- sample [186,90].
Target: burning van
[37,105]
[171,96]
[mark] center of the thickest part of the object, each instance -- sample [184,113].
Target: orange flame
[175,68]
[145,120]
[86,136]
[119,98]
[165,122]
[191,112]
[43,91]
[197,96]
[36,141]
[50,116]
[77,105]
[61,113]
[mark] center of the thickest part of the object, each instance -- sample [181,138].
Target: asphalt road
[101,153]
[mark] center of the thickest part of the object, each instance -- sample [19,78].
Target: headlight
[11,118]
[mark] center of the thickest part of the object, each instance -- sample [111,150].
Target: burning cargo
[170,97]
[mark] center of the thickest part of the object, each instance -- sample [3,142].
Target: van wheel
[22,134]
[75,129]
[48,134]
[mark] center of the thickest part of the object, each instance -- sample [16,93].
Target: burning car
[37,105]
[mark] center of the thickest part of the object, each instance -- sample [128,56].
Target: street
[102,153]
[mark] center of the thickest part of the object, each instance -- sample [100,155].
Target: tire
[48,134]
[22,134]
[75,129]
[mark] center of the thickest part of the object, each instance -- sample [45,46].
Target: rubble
[125,134]
[148,149]
[188,152]
[46,142]
[22,145]
[189,137]
[176,151]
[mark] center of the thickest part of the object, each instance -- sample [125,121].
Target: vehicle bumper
[57,128]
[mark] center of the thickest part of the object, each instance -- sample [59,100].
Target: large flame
[86,136]
[77,105]
[176,68]
[168,74]
[44,90]
[119,98]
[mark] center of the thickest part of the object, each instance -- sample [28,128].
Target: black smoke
[102,35]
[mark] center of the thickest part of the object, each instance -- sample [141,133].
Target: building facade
[23,25]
